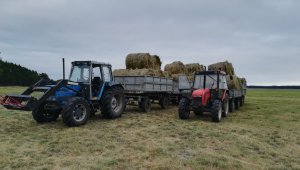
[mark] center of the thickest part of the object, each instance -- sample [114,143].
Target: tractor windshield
[80,73]
[211,81]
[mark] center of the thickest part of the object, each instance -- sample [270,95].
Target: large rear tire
[183,108]
[225,107]
[216,111]
[113,103]
[77,112]
[41,115]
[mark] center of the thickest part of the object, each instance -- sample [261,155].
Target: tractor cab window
[211,81]
[107,74]
[80,73]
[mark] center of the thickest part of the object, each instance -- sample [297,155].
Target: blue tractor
[90,87]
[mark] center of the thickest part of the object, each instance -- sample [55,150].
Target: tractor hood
[200,92]
[67,91]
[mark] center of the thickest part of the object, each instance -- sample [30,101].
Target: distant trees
[13,74]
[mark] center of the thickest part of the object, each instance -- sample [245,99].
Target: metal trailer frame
[144,90]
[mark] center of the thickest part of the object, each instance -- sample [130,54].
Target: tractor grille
[197,101]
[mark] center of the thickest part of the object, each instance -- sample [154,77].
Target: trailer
[143,90]
[237,97]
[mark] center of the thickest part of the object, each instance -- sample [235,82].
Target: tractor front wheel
[183,108]
[216,111]
[77,112]
[41,115]
[113,103]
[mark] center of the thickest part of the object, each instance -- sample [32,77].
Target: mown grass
[264,134]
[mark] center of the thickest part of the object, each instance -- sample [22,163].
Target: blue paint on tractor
[101,92]
[63,92]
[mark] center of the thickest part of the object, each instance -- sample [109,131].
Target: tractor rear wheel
[163,102]
[113,103]
[216,111]
[41,115]
[77,112]
[183,108]
[225,107]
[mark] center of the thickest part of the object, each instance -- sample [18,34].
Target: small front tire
[183,108]
[77,112]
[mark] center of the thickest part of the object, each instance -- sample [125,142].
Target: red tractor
[209,93]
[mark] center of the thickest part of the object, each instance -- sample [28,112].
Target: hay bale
[142,61]
[177,67]
[175,77]
[138,72]
[193,67]
[233,82]
[222,66]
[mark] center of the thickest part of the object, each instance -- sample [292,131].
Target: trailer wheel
[216,111]
[183,108]
[225,107]
[163,102]
[145,104]
[231,105]
[241,101]
[113,103]
[77,112]
[41,115]
[237,103]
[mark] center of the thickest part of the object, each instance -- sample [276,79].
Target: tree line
[15,75]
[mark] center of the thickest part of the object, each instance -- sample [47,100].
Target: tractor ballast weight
[90,87]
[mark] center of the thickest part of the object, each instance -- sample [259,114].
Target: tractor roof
[90,62]
[210,72]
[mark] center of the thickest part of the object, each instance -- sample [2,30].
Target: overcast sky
[260,37]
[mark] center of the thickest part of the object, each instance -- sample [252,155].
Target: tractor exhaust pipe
[63,60]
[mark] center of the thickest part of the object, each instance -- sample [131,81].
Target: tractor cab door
[97,81]
[185,87]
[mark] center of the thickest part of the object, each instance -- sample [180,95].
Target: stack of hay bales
[141,64]
[233,81]
[177,68]
[192,68]
[222,66]
[143,61]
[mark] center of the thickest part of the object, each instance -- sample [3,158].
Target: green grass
[264,134]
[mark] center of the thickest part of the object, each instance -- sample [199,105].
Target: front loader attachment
[26,101]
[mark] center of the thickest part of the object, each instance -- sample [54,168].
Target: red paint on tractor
[203,93]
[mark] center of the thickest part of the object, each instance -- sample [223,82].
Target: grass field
[264,134]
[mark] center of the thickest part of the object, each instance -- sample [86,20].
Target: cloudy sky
[260,37]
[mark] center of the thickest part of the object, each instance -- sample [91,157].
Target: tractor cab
[91,76]
[208,83]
